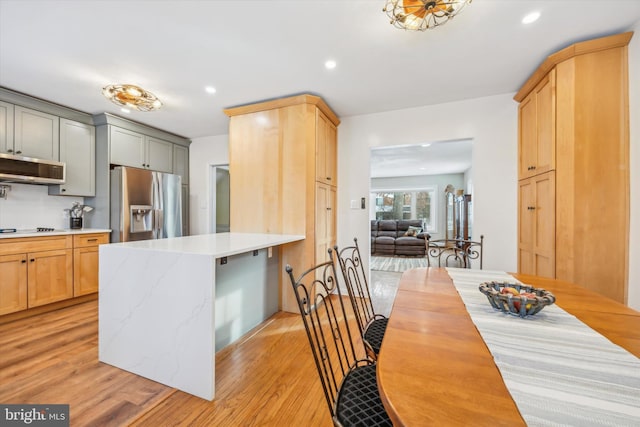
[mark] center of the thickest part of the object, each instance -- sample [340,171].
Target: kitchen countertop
[56,232]
[216,245]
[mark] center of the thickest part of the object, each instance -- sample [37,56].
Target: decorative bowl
[515,298]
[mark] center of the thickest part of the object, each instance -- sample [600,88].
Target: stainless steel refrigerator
[145,205]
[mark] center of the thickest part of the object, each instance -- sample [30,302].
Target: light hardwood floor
[267,378]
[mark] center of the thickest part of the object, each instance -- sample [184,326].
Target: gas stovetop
[28,230]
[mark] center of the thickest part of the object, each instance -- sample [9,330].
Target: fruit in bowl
[516,298]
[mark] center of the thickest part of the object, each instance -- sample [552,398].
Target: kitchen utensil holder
[75,223]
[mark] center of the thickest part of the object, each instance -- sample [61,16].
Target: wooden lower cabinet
[49,277]
[36,271]
[13,283]
[85,262]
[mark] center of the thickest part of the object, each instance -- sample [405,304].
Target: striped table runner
[559,371]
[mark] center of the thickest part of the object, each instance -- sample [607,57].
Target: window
[407,204]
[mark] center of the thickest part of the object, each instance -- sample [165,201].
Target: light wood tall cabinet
[574,167]
[282,166]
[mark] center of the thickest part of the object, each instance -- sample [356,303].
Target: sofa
[397,237]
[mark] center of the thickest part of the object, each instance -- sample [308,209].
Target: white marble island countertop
[217,245]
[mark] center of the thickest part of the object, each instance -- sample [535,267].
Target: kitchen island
[166,306]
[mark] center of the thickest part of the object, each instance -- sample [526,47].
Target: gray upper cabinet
[181,162]
[35,134]
[6,127]
[78,151]
[129,148]
[159,155]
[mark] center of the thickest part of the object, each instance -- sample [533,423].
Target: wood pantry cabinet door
[50,276]
[325,221]
[13,283]
[326,150]
[537,115]
[536,231]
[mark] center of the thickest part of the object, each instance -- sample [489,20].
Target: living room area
[418,191]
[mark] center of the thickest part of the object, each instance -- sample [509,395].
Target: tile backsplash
[29,206]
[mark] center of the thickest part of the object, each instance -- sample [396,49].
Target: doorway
[219,198]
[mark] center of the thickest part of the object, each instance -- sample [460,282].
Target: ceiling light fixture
[421,15]
[210,89]
[131,96]
[531,17]
[330,64]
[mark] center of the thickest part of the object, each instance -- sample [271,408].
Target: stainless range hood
[31,171]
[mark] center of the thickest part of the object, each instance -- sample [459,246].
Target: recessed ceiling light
[531,17]
[330,64]
[125,110]
[210,89]
[426,145]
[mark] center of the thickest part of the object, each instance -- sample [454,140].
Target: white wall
[634,119]
[28,206]
[203,153]
[491,122]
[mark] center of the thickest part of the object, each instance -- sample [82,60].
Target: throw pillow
[413,231]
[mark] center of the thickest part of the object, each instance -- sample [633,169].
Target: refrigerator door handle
[157,219]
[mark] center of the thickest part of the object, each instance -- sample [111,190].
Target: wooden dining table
[434,367]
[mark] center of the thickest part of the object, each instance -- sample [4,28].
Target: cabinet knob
[32,260]
[24,261]
[18,152]
[328,178]
[9,150]
[63,190]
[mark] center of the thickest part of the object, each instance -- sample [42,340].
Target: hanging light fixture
[132,96]
[421,15]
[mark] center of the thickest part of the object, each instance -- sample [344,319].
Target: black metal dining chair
[454,252]
[372,325]
[349,383]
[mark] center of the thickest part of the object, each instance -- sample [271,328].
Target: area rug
[397,264]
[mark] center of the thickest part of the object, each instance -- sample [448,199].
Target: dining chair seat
[359,402]
[374,332]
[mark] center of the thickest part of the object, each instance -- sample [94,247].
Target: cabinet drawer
[34,244]
[84,240]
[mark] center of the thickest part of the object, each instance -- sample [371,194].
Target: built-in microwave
[29,170]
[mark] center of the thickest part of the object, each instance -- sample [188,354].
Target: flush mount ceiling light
[421,15]
[132,96]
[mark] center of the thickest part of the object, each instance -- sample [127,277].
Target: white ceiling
[66,51]
[434,158]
